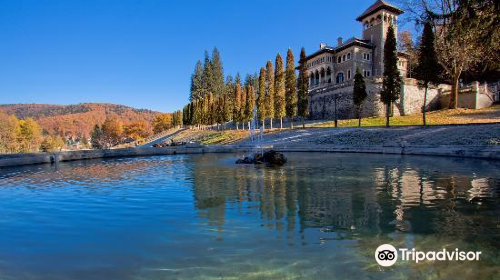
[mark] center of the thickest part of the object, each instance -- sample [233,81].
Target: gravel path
[468,135]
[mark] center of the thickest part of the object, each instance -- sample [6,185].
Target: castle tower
[376,20]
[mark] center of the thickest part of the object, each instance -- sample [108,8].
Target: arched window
[339,60]
[322,79]
[311,80]
[329,75]
[340,78]
[317,78]
[348,56]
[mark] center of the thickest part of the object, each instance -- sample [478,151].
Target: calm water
[202,217]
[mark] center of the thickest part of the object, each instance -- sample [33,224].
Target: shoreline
[486,152]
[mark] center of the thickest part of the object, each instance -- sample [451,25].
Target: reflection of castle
[331,70]
[366,198]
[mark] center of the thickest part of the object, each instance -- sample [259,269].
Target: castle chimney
[322,46]
[339,41]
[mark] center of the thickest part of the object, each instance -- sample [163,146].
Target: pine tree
[428,67]
[96,137]
[249,104]
[391,86]
[303,91]
[279,94]
[228,113]
[290,87]
[270,92]
[261,100]
[359,92]
[237,104]
[197,82]
[217,84]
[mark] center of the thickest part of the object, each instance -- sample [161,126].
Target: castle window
[348,74]
[343,57]
[366,56]
[348,56]
[366,73]
[339,60]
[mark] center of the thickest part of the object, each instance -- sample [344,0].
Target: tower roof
[377,6]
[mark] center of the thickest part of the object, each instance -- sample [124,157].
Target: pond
[321,216]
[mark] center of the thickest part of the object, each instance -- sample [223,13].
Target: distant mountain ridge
[76,120]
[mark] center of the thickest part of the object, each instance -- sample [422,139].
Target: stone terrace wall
[322,101]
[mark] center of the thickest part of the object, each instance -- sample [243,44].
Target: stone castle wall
[322,101]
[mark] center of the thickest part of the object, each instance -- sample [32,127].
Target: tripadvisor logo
[387,255]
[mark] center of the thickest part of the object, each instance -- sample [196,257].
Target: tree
[197,82]
[137,130]
[269,92]
[162,122]
[249,104]
[9,128]
[406,45]
[261,100]
[359,92]
[217,85]
[242,115]
[207,78]
[428,67]
[52,143]
[290,87]
[391,86]
[279,87]
[237,104]
[303,89]
[29,136]
[112,131]
[97,138]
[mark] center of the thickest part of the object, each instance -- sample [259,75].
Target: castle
[331,71]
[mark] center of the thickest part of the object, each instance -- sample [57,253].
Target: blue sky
[142,53]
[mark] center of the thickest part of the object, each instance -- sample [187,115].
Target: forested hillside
[76,120]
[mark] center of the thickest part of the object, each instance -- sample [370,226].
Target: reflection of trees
[352,195]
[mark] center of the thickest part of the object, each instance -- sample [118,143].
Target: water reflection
[203,217]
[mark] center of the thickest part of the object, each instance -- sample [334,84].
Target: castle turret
[376,20]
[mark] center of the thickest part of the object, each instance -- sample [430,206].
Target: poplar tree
[359,93]
[428,67]
[303,83]
[290,87]
[217,84]
[269,103]
[261,101]
[243,102]
[197,82]
[279,87]
[391,85]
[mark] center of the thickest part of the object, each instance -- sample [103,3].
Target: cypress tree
[391,86]
[227,111]
[290,87]
[237,104]
[279,87]
[243,102]
[270,92]
[250,103]
[217,85]
[197,82]
[303,91]
[261,100]
[428,68]
[359,92]
[207,78]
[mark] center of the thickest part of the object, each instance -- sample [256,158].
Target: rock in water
[270,157]
[274,158]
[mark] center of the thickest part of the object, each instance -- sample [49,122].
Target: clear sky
[142,53]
